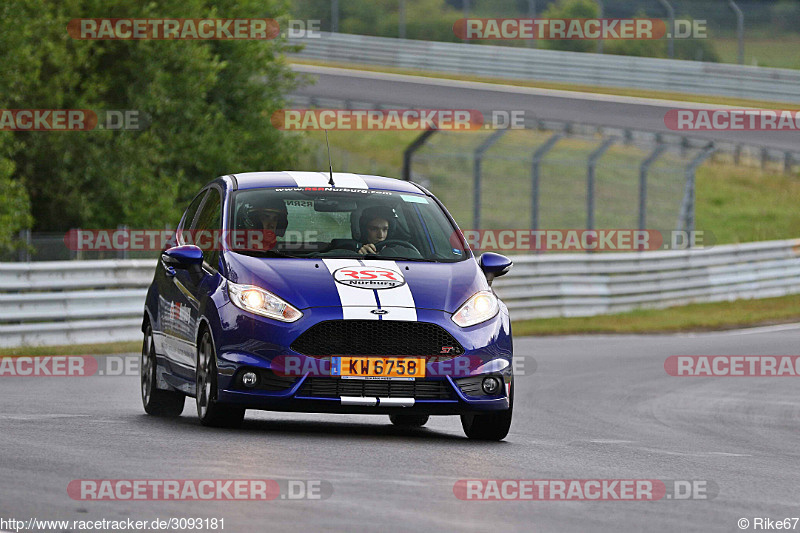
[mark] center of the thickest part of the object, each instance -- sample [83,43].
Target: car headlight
[261,302]
[479,308]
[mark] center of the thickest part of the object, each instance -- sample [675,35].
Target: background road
[597,407]
[543,104]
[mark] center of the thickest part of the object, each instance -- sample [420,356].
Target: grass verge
[77,349]
[694,317]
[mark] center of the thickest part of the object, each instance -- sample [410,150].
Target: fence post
[532,43]
[467,8]
[671,28]
[600,15]
[334,16]
[401,20]
[646,164]
[686,216]
[477,167]
[538,155]
[408,153]
[739,29]
[25,249]
[593,157]
[123,254]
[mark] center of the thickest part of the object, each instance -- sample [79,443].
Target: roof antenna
[330,162]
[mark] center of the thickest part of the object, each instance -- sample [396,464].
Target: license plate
[378,367]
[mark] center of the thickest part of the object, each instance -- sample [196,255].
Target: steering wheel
[397,242]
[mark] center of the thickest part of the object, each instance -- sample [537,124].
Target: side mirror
[495,265]
[183,257]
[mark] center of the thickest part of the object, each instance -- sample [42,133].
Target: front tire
[409,421]
[210,412]
[156,402]
[491,426]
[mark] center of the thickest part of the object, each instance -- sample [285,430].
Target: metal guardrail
[692,77]
[72,302]
[591,284]
[79,302]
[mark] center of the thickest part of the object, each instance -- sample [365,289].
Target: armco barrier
[550,285]
[72,302]
[76,302]
[691,77]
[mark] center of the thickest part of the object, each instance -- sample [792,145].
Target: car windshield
[343,223]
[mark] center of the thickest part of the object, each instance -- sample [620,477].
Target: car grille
[376,337]
[336,387]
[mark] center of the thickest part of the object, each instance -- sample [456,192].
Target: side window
[188,215]
[208,226]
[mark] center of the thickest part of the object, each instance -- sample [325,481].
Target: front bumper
[255,342]
[298,399]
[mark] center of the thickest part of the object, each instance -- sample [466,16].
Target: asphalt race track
[596,408]
[542,104]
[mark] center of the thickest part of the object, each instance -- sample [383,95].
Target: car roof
[253,180]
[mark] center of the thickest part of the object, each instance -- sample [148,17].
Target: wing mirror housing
[494,265]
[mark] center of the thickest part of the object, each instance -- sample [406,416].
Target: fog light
[249,379]
[490,385]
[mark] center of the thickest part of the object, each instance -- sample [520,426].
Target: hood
[308,283]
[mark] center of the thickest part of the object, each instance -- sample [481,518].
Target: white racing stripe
[321,179]
[309,179]
[356,303]
[351,181]
[399,300]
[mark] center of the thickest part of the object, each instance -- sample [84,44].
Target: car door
[174,306]
[194,287]
[166,336]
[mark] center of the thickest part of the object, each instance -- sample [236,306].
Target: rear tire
[491,426]
[156,402]
[409,421]
[210,412]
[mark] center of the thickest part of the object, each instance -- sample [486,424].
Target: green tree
[565,9]
[208,105]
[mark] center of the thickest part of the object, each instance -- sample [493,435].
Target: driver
[375,224]
[269,219]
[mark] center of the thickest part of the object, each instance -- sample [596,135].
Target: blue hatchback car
[337,293]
